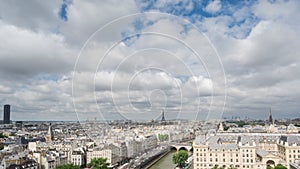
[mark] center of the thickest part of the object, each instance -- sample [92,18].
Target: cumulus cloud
[214,6]
[168,64]
[29,53]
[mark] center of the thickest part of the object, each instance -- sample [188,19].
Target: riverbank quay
[149,158]
[156,159]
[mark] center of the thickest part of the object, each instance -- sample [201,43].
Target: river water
[165,162]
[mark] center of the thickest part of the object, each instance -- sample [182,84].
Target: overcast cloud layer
[64,60]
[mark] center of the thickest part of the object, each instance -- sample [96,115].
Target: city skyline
[69,60]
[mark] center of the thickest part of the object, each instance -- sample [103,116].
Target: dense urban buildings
[238,144]
[57,143]
[248,146]
[245,150]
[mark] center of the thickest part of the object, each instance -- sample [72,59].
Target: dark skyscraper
[6,115]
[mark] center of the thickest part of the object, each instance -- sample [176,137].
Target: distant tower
[49,135]
[270,117]
[6,115]
[163,116]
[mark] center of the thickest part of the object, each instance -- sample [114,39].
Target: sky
[193,59]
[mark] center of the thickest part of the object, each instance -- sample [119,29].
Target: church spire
[49,135]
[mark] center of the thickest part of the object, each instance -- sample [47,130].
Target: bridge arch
[173,148]
[182,147]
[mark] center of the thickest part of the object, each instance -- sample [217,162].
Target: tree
[163,137]
[180,157]
[98,163]
[67,166]
[280,166]
[2,135]
[216,167]
[1,146]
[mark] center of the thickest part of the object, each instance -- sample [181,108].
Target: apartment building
[245,150]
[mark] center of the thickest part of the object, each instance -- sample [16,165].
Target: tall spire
[270,117]
[49,135]
[163,116]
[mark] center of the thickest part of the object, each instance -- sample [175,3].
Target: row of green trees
[163,137]
[179,159]
[217,167]
[96,163]
[279,166]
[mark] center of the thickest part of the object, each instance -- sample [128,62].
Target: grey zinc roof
[245,140]
[291,139]
[200,140]
[262,153]
[223,146]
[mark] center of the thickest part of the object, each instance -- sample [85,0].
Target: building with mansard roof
[245,150]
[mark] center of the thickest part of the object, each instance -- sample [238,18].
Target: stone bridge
[182,146]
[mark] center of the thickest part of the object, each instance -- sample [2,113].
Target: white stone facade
[251,150]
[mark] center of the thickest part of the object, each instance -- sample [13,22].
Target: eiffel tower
[163,116]
[271,117]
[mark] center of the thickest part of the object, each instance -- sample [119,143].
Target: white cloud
[214,6]
[258,47]
[29,53]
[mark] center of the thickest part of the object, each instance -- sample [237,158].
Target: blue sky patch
[195,11]
[63,14]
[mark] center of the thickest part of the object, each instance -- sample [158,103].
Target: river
[165,162]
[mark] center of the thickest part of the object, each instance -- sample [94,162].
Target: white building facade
[246,150]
